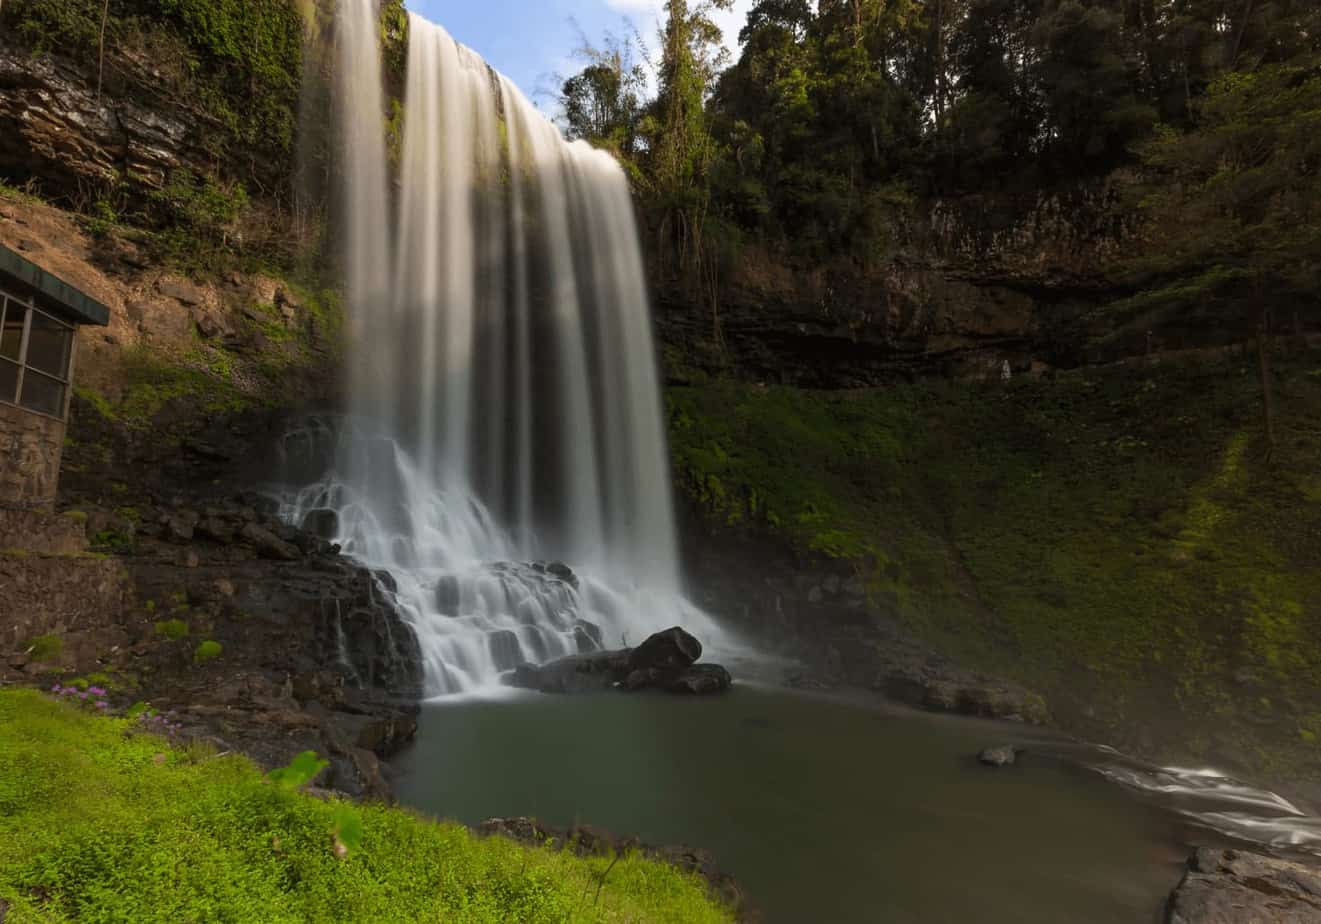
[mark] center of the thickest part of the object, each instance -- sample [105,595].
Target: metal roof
[65,298]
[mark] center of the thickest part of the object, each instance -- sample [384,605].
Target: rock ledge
[1231,887]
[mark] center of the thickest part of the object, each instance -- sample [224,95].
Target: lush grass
[99,823]
[1118,540]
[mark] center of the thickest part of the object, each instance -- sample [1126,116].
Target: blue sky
[532,40]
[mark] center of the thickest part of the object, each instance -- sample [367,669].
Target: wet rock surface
[313,654]
[821,620]
[587,840]
[1232,887]
[665,661]
[1003,756]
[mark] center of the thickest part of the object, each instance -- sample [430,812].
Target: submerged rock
[953,692]
[1003,756]
[1231,887]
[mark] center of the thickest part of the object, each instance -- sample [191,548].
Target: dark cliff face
[972,284]
[77,144]
[54,128]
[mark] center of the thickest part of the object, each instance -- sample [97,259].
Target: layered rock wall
[971,284]
[55,127]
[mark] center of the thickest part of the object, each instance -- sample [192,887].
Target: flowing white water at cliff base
[505,413]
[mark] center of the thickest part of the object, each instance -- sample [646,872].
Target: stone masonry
[30,449]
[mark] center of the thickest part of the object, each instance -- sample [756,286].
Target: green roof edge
[85,309]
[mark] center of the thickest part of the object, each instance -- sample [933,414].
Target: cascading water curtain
[505,413]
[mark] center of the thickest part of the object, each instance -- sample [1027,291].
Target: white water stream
[504,398]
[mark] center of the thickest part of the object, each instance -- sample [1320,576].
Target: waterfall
[504,455]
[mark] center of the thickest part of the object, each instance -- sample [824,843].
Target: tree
[1091,109]
[602,103]
[681,147]
[1234,207]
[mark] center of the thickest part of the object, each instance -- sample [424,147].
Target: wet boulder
[269,545]
[701,680]
[587,636]
[1003,756]
[322,522]
[590,673]
[671,650]
[665,662]
[506,650]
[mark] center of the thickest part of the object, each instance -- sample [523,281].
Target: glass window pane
[48,346]
[42,394]
[11,338]
[8,381]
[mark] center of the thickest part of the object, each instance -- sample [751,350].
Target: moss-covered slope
[1117,538]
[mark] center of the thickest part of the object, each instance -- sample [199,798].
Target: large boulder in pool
[583,673]
[665,661]
[701,680]
[671,650]
[1233,887]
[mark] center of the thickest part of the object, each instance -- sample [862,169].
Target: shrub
[45,648]
[173,629]
[207,651]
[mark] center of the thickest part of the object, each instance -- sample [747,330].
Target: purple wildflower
[55,689]
[82,694]
[96,691]
[102,705]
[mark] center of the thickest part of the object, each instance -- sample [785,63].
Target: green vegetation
[207,651]
[112,682]
[173,629]
[1233,227]
[152,382]
[45,648]
[234,70]
[1119,540]
[239,60]
[101,822]
[196,216]
[114,541]
[839,116]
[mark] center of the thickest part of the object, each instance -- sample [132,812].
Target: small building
[39,317]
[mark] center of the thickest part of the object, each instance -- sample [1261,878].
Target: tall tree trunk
[1264,365]
[940,61]
[100,68]
[1232,57]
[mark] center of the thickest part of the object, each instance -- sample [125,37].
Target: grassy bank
[1118,539]
[100,823]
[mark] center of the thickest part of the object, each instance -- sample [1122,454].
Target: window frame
[29,305]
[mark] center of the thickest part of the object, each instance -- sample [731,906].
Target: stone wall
[30,449]
[81,600]
[38,532]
